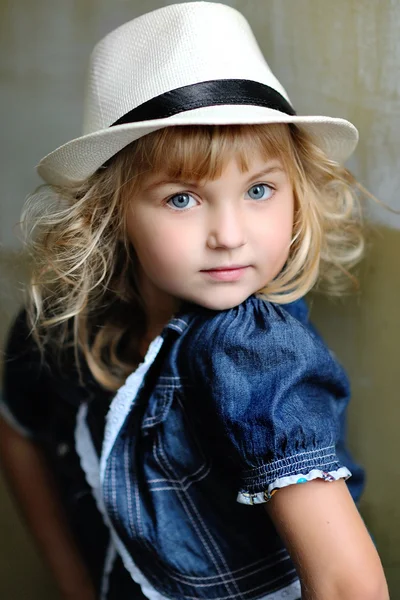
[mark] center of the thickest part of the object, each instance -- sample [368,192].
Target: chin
[222,301]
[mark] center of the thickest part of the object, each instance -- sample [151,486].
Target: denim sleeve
[277,392]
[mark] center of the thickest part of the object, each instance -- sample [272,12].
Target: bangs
[201,152]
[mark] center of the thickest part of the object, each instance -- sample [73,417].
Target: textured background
[339,58]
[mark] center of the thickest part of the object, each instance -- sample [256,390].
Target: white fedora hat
[196,63]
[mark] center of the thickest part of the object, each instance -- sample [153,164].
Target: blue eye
[181,201]
[259,191]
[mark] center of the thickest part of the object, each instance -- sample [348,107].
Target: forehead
[202,153]
[208,168]
[257,168]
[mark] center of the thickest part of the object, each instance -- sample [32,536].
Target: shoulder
[254,324]
[255,338]
[270,383]
[22,353]
[34,371]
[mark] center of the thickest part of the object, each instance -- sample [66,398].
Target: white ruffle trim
[290,592]
[265,495]
[88,456]
[90,466]
[108,567]
[123,401]
[117,414]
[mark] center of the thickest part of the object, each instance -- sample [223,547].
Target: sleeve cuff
[260,497]
[259,484]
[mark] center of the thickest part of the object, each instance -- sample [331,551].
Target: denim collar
[180,321]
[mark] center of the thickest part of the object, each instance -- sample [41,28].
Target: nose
[226,228]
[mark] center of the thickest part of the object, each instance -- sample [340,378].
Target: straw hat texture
[192,63]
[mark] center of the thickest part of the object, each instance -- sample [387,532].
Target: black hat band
[207,93]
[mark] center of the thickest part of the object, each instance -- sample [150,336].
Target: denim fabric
[234,400]
[356,483]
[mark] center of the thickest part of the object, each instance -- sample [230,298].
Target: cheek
[277,248]
[278,230]
[159,247]
[284,233]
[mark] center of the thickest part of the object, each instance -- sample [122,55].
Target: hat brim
[76,160]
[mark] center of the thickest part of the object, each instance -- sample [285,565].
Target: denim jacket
[227,408]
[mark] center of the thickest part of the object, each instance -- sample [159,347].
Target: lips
[226,268]
[226,273]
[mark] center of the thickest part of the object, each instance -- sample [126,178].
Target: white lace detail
[265,495]
[88,456]
[108,567]
[91,467]
[122,402]
[290,592]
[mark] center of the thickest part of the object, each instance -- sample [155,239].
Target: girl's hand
[328,542]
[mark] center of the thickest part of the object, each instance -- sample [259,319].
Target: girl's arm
[328,542]
[37,497]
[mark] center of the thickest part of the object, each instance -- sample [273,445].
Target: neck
[159,307]
[157,318]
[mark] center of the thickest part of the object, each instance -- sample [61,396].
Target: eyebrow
[266,171]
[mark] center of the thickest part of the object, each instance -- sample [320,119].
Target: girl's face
[213,243]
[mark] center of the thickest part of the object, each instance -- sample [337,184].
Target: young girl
[164,391]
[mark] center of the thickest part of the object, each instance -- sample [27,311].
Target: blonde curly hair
[84,293]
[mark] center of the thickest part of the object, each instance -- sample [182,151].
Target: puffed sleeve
[276,392]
